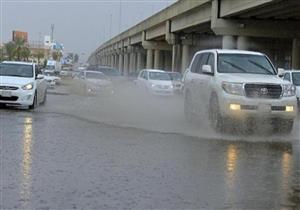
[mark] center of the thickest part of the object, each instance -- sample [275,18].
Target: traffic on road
[195,107]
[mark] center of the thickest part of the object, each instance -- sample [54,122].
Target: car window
[211,61]
[195,63]
[159,76]
[16,70]
[296,78]
[202,61]
[287,77]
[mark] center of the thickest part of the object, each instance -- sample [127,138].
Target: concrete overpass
[168,39]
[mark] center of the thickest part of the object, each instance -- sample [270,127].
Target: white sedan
[95,82]
[155,81]
[21,84]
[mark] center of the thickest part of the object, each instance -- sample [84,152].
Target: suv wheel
[188,107]
[216,120]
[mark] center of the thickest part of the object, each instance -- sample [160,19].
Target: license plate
[265,108]
[5,93]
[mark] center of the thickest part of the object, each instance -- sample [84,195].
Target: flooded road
[87,153]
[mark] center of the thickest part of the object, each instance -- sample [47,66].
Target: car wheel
[45,98]
[216,120]
[188,107]
[34,103]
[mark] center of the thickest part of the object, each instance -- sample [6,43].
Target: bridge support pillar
[149,59]
[157,59]
[132,61]
[168,61]
[228,42]
[185,57]
[176,57]
[120,64]
[296,54]
[140,61]
[126,64]
[242,43]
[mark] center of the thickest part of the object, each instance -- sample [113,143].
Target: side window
[141,74]
[37,70]
[211,61]
[287,77]
[195,62]
[202,61]
[145,75]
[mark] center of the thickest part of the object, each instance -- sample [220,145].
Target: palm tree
[56,55]
[39,55]
[10,49]
[19,48]
[25,53]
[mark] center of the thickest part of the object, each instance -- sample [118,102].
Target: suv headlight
[233,88]
[28,86]
[153,85]
[288,90]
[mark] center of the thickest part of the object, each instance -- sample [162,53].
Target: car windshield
[159,76]
[94,75]
[244,63]
[16,70]
[296,78]
[175,76]
[109,71]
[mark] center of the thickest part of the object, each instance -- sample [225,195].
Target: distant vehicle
[51,78]
[22,84]
[53,65]
[293,76]
[176,78]
[96,82]
[108,71]
[155,81]
[238,86]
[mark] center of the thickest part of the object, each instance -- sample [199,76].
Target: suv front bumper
[240,107]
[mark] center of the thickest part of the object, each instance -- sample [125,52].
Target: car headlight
[171,86]
[28,86]
[233,88]
[153,85]
[288,90]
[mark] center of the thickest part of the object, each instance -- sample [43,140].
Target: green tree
[20,52]
[25,53]
[39,55]
[10,49]
[56,55]
[76,58]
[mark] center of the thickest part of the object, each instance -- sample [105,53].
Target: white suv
[21,84]
[230,86]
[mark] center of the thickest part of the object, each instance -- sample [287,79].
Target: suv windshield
[175,76]
[244,63]
[159,76]
[16,70]
[296,78]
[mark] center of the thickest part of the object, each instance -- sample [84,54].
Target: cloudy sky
[80,25]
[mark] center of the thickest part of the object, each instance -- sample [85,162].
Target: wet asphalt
[81,152]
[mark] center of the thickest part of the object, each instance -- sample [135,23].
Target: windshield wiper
[260,66]
[235,66]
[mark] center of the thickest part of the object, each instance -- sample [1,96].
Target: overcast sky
[80,25]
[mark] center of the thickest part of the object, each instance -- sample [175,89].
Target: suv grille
[8,88]
[263,91]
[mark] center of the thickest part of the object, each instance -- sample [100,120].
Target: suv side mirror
[40,76]
[206,69]
[280,72]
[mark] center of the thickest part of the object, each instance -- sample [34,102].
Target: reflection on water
[231,162]
[26,163]
[286,169]
[231,169]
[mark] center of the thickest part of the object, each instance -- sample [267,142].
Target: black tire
[216,120]
[34,103]
[45,98]
[188,107]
